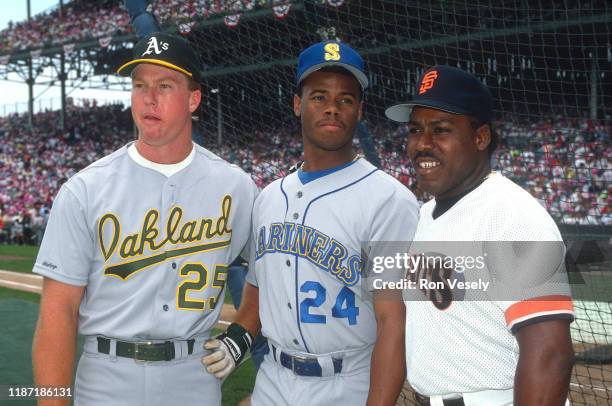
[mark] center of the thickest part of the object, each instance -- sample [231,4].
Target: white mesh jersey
[151,250]
[306,255]
[469,346]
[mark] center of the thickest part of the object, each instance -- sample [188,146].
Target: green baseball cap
[164,50]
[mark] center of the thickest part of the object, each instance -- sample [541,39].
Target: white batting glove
[228,349]
[219,363]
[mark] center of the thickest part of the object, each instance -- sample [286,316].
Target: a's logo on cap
[332,52]
[153,46]
[428,81]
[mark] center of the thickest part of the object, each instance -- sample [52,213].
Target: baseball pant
[103,379]
[276,385]
[483,398]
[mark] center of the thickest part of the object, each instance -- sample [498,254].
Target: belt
[424,401]
[305,366]
[146,351]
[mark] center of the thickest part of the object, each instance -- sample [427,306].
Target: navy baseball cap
[331,53]
[164,50]
[449,89]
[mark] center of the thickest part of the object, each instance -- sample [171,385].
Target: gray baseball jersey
[151,250]
[121,229]
[306,258]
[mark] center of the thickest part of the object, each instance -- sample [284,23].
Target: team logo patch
[428,81]
[332,52]
[153,46]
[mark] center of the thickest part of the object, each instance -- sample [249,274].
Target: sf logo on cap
[153,46]
[332,52]
[428,81]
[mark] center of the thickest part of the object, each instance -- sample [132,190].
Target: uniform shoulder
[93,170]
[522,211]
[106,160]
[272,188]
[389,186]
[88,178]
[219,163]
[504,192]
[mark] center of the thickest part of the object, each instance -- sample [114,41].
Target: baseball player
[137,248]
[329,344]
[505,350]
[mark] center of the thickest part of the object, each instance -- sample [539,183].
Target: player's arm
[228,349]
[54,346]
[388,370]
[248,313]
[546,358]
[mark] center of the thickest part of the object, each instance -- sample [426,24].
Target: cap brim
[401,112]
[127,68]
[359,75]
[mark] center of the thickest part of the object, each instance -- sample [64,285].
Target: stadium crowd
[87,20]
[78,21]
[566,164]
[81,21]
[35,162]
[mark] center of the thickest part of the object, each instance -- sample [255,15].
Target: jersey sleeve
[250,250]
[530,311]
[392,230]
[528,267]
[396,219]
[66,251]
[242,222]
[251,277]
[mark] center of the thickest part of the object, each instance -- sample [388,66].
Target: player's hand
[219,363]
[228,349]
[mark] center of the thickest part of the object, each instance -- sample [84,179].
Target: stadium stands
[80,21]
[92,20]
[34,163]
[566,164]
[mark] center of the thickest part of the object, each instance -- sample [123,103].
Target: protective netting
[547,64]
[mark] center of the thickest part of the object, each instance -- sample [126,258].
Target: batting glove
[228,349]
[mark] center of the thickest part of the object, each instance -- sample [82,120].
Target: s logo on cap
[428,81]
[332,52]
[152,46]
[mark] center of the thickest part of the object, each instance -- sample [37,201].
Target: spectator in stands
[3,234]
[17,230]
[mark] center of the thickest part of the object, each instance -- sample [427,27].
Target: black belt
[143,351]
[304,366]
[424,401]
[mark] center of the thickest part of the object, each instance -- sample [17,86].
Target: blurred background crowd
[566,164]
[82,21]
